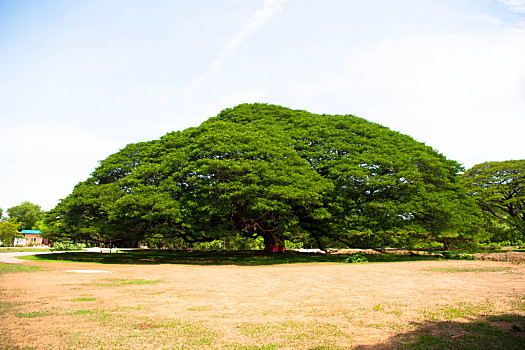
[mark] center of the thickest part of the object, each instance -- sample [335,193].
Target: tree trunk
[272,243]
[318,240]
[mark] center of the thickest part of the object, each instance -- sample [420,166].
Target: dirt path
[12,258]
[246,307]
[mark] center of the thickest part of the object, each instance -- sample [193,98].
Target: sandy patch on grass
[88,271]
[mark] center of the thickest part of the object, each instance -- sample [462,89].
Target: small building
[32,237]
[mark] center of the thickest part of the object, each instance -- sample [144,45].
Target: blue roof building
[31,232]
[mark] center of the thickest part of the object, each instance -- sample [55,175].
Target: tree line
[269,173]
[25,216]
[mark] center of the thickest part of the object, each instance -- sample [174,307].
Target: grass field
[11,268]
[180,300]
[216,258]
[22,249]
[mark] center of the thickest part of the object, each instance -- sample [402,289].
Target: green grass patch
[378,307]
[459,310]
[389,257]
[84,299]
[83,312]
[12,268]
[17,347]
[22,249]
[115,282]
[473,335]
[518,303]
[294,334]
[138,281]
[356,258]
[257,330]
[202,308]
[252,258]
[500,250]
[6,306]
[255,347]
[33,314]
[138,307]
[98,315]
[469,269]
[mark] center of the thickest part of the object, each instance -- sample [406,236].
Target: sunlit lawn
[22,249]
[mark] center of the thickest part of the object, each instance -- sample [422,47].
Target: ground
[430,304]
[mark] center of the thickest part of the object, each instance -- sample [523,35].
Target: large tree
[27,213]
[499,191]
[269,171]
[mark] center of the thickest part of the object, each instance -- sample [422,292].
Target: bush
[293,245]
[457,256]
[357,258]
[61,246]
[213,245]
[467,257]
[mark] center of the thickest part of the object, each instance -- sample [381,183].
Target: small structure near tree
[31,237]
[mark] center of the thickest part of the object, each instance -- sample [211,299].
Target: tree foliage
[499,191]
[260,170]
[9,230]
[27,213]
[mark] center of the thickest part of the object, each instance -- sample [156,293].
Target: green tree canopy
[499,191]
[269,171]
[9,230]
[27,213]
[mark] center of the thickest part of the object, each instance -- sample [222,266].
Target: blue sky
[81,79]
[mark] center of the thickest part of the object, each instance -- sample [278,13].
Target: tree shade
[269,171]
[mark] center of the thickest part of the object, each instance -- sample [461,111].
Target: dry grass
[407,305]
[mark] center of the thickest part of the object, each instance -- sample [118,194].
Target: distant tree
[1,214]
[42,227]
[9,230]
[27,213]
[499,190]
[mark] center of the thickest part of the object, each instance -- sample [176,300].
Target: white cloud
[270,8]
[483,18]
[226,101]
[462,94]
[45,162]
[197,111]
[515,5]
